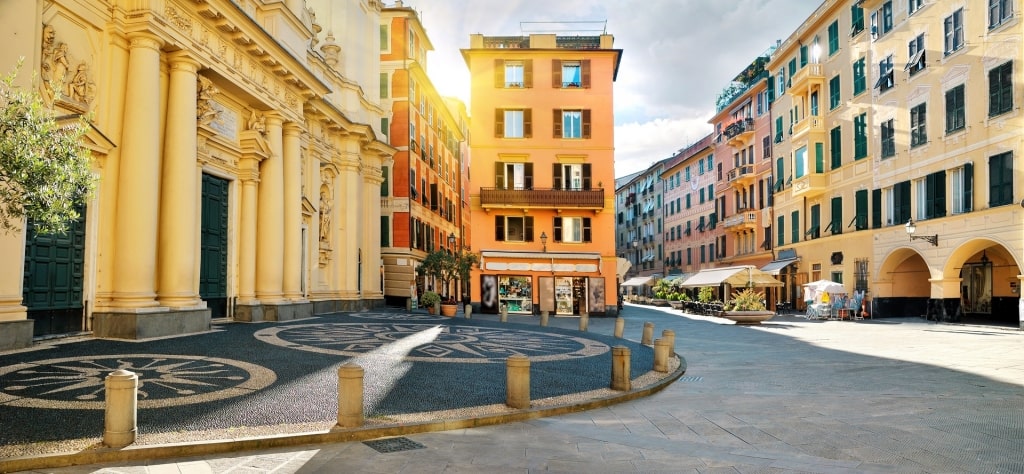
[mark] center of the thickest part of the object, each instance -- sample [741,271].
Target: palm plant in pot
[448,267]
[747,307]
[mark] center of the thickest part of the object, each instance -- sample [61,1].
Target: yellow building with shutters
[229,138]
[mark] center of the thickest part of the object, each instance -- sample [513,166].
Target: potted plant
[448,267]
[746,308]
[661,290]
[429,300]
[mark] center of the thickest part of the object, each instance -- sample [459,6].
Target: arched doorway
[988,290]
[905,275]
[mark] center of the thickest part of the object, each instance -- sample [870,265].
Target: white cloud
[640,145]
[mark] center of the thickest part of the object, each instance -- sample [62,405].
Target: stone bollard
[661,349]
[620,368]
[350,396]
[120,428]
[468,311]
[544,318]
[648,334]
[670,336]
[620,327]
[584,321]
[504,313]
[517,381]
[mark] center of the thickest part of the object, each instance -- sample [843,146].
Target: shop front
[566,286]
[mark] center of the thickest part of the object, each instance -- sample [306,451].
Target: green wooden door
[214,245]
[54,273]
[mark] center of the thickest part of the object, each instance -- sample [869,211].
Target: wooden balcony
[496,198]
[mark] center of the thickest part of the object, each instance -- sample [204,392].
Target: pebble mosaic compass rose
[452,343]
[164,380]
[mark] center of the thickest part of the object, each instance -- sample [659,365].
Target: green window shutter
[384,186]
[876,208]
[771,88]
[384,90]
[836,147]
[385,231]
[819,157]
[837,215]
[781,232]
[795,218]
[968,186]
[499,228]
[814,228]
[861,219]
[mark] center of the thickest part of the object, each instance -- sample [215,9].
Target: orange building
[421,210]
[542,191]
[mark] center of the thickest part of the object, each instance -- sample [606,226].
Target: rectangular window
[514,74]
[780,83]
[800,162]
[385,43]
[953,29]
[572,124]
[571,74]
[860,220]
[814,229]
[955,110]
[885,75]
[859,79]
[914,5]
[1000,178]
[898,203]
[572,229]
[513,175]
[571,176]
[860,136]
[915,55]
[778,129]
[999,11]
[780,237]
[795,223]
[803,55]
[962,188]
[513,123]
[836,147]
[856,19]
[833,37]
[384,89]
[888,133]
[918,125]
[513,228]
[881,20]
[834,93]
[1000,89]
[933,197]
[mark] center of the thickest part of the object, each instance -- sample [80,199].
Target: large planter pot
[747,318]
[449,309]
[675,304]
[659,302]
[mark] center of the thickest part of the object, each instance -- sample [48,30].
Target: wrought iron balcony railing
[499,197]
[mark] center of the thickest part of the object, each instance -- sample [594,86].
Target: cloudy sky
[677,55]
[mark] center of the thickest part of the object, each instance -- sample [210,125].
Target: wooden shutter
[528,123]
[499,73]
[499,228]
[499,123]
[556,73]
[585,73]
[968,186]
[876,208]
[586,176]
[556,123]
[528,229]
[556,173]
[586,229]
[837,215]
[528,73]
[558,229]
[499,175]
[586,123]
[528,175]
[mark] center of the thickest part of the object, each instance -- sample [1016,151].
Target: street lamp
[451,241]
[544,240]
[912,228]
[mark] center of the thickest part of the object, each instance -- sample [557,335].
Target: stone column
[292,203]
[249,176]
[372,180]
[350,238]
[138,201]
[270,221]
[179,199]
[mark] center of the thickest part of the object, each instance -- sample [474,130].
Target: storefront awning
[741,276]
[638,281]
[775,266]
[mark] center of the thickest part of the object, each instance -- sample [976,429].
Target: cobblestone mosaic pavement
[893,395]
[245,375]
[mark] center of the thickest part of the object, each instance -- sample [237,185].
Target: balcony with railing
[741,221]
[741,176]
[544,198]
[807,78]
[810,185]
[811,127]
[739,132]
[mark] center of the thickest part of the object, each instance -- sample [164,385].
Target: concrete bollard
[620,368]
[504,313]
[584,321]
[350,396]
[661,348]
[648,334]
[468,311]
[543,318]
[120,428]
[670,336]
[517,381]
[620,327]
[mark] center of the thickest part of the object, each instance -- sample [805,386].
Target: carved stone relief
[58,81]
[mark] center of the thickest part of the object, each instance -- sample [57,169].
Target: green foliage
[428,299]
[705,294]
[662,289]
[746,300]
[448,267]
[45,171]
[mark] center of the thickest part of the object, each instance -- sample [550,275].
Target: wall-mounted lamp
[451,240]
[544,240]
[912,228]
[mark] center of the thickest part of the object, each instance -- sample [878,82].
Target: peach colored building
[542,191]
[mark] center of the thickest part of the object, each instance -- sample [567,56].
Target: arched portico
[980,282]
[904,284]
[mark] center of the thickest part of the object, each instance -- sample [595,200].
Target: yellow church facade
[229,141]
